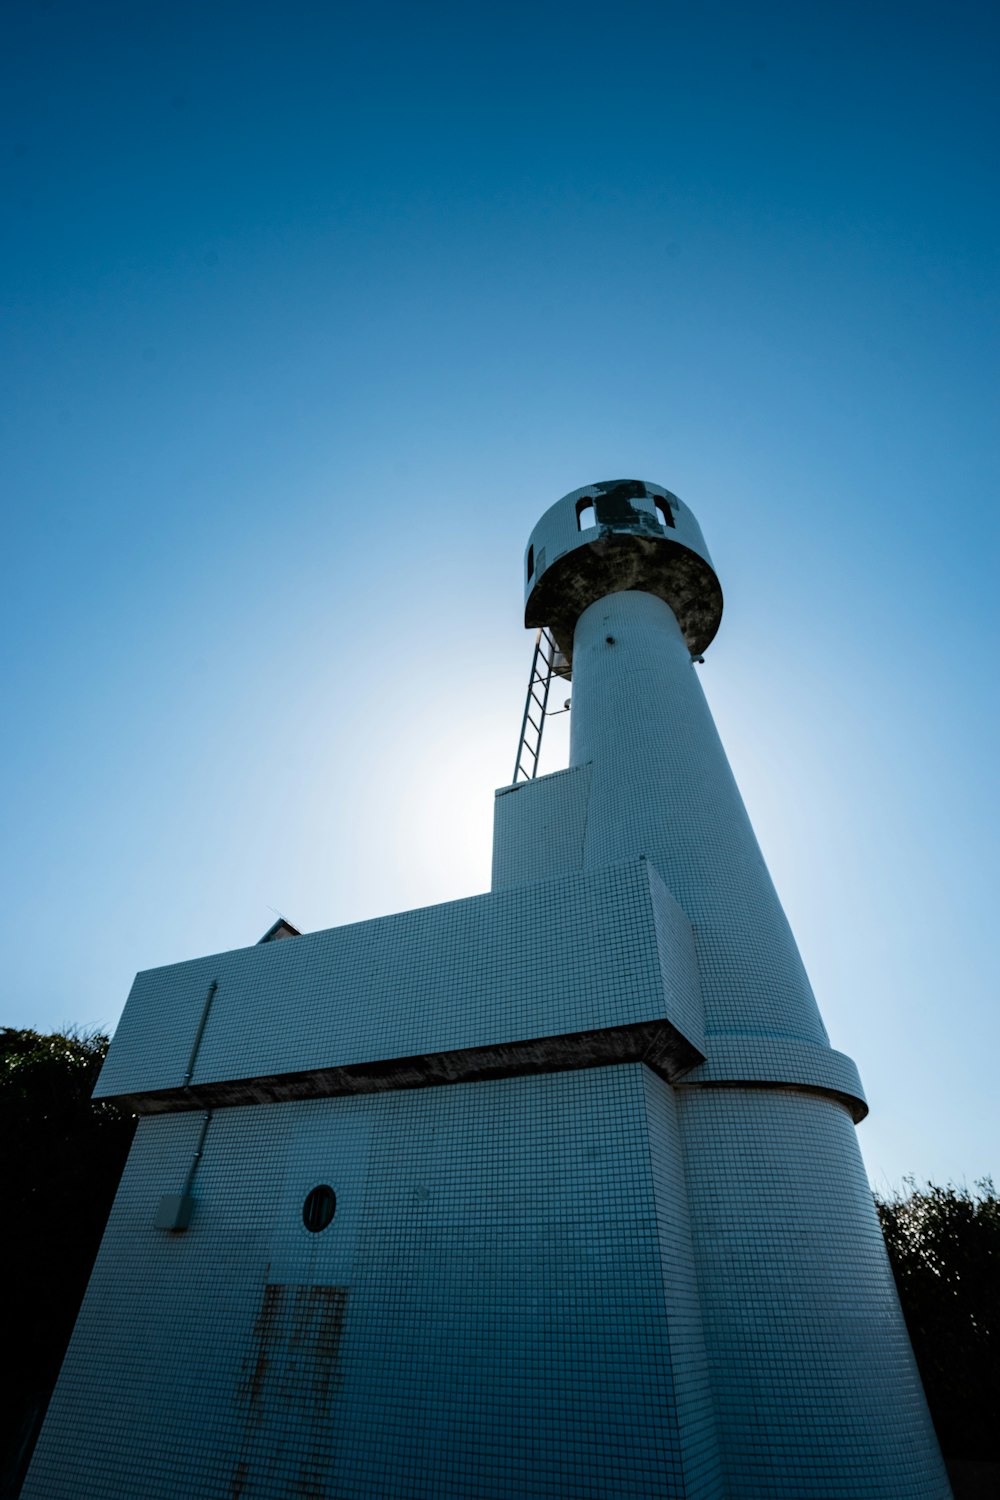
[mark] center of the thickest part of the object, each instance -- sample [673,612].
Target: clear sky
[310,310]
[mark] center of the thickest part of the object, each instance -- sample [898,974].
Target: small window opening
[531,562]
[664,512]
[585,514]
[319,1208]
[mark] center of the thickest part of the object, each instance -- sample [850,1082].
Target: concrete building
[550,1192]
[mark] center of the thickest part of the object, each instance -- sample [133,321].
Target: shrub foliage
[944,1247]
[63,1156]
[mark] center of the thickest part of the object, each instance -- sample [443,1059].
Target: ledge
[498,980]
[657,1043]
[780,1062]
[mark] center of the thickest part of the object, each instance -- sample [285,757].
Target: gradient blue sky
[311,310]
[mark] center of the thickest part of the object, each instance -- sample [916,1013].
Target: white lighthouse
[550,1192]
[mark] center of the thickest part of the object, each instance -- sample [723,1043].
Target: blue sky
[311,310]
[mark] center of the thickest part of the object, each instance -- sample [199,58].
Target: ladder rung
[540,678]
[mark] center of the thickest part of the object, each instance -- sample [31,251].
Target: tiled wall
[815,1386]
[539,828]
[561,956]
[504,1305]
[661,786]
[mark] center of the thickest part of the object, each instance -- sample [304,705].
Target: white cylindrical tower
[815,1389]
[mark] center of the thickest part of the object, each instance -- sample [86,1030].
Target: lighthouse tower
[550,1192]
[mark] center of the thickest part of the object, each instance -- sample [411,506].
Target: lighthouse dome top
[616,535]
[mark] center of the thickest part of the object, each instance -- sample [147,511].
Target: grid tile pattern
[539,827]
[678,957]
[661,786]
[692,1384]
[752,1059]
[816,1390]
[486,1316]
[577,954]
[814,1385]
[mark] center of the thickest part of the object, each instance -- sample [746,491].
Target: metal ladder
[547,662]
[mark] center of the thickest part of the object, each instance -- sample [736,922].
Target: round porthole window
[319,1208]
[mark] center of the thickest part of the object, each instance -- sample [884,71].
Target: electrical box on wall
[174,1211]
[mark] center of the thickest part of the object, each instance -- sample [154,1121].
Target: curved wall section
[623,534]
[661,786]
[805,1338]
